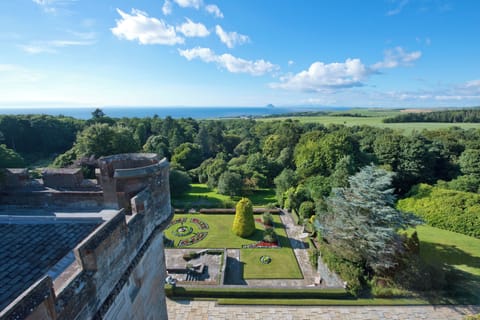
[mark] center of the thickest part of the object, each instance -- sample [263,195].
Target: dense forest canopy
[289,154]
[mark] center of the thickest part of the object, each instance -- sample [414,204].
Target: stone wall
[119,270]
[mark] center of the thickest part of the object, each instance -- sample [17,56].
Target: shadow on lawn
[461,287]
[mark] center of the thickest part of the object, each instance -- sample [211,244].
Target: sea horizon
[196,112]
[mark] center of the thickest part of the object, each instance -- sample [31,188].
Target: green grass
[220,233]
[324,302]
[455,249]
[458,251]
[201,196]
[284,265]
[376,121]
[254,293]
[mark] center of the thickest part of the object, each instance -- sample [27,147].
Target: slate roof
[28,251]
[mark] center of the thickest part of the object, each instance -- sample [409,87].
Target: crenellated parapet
[119,269]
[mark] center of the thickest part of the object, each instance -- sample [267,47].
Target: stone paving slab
[209,310]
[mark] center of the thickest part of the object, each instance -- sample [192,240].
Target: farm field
[374,118]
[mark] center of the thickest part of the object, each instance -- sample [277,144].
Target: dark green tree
[9,158]
[230,183]
[188,155]
[285,180]
[179,182]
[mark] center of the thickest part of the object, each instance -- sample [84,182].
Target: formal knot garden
[200,244]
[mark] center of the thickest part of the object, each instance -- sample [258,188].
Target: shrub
[313,255]
[243,223]
[350,272]
[307,209]
[269,235]
[267,219]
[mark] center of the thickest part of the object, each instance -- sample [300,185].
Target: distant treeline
[448,116]
[298,114]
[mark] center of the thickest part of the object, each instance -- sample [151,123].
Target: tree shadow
[234,272]
[461,287]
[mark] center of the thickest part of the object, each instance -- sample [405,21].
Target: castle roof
[31,247]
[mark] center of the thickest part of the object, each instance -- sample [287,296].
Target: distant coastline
[174,112]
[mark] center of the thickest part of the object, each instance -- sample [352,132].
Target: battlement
[118,270]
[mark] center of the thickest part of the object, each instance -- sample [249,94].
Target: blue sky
[378,53]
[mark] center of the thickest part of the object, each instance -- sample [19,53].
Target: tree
[9,158]
[230,183]
[307,209]
[317,153]
[285,180]
[470,162]
[100,139]
[179,182]
[157,144]
[243,223]
[188,155]
[361,222]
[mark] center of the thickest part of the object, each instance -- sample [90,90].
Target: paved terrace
[209,310]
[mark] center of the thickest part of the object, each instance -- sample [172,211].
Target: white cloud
[139,26]
[400,5]
[291,62]
[214,10]
[192,29]
[189,3]
[397,57]
[229,62]
[167,7]
[230,39]
[52,6]
[52,46]
[322,77]
[473,84]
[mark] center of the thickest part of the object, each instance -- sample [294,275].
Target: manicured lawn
[283,264]
[200,196]
[456,250]
[220,233]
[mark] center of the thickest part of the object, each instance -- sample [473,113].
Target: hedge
[451,210]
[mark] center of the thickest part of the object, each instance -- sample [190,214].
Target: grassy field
[201,196]
[284,265]
[220,234]
[456,250]
[376,121]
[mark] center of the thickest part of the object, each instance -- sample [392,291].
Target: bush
[267,219]
[230,183]
[350,272]
[243,223]
[269,235]
[313,255]
[190,255]
[179,182]
[446,209]
[386,288]
[307,209]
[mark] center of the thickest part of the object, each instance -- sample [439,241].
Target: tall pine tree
[361,222]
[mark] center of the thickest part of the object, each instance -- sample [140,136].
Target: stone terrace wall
[121,264]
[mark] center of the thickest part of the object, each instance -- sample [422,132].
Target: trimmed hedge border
[326,302]
[232,211]
[255,293]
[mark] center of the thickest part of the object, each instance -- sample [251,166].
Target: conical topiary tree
[243,224]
